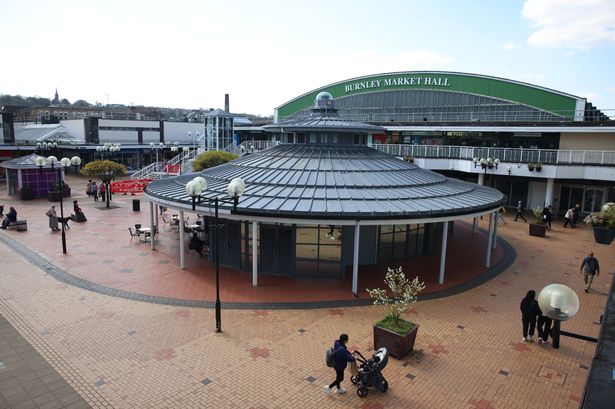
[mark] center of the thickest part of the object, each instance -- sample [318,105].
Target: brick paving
[122,353]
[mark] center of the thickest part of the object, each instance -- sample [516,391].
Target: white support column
[182,248]
[443,252]
[474,225]
[489,241]
[255,234]
[151,225]
[355,260]
[549,193]
[481,179]
[495,231]
[19,181]
[157,210]
[6,173]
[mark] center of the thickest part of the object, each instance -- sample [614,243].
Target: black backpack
[330,357]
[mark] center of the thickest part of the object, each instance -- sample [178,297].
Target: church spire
[56,99]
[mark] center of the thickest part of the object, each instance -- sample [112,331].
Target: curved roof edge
[516,91]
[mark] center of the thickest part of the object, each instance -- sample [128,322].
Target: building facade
[554,148]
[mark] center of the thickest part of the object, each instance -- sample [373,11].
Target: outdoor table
[145,231]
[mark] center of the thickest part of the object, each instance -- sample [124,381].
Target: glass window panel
[331,252]
[307,251]
[307,235]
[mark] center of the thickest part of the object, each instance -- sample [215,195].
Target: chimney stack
[226,104]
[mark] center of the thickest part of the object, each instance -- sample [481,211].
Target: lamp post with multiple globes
[62,166]
[235,189]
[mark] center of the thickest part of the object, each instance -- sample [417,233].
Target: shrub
[404,293]
[210,159]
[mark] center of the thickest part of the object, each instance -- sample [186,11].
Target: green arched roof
[541,98]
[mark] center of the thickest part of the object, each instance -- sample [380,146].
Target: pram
[370,372]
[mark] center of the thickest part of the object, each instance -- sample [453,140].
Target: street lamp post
[235,189]
[63,165]
[194,138]
[486,163]
[559,303]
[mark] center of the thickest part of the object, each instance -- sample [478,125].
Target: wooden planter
[396,344]
[55,196]
[538,229]
[603,236]
[26,195]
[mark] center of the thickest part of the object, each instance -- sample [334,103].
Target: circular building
[323,202]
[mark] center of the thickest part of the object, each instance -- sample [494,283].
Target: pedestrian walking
[520,211]
[95,191]
[53,218]
[103,191]
[529,312]
[501,214]
[341,357]
[568,218]
[547,216]
[88,188]
[575,215]
[589,268]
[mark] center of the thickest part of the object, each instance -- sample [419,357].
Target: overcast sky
[188,54]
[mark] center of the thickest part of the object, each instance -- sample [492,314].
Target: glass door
[594,199]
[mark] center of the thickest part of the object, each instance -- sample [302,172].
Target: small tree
[104,170]
[210,159]
[404,293]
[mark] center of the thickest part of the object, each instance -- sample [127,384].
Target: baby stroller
[370,372]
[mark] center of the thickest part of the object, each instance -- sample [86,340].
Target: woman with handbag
[53,218]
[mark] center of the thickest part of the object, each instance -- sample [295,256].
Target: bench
[19,225]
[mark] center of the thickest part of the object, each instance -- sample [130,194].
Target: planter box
[538,229]
[396,344]
[603,236]
[29,195]
[55,196]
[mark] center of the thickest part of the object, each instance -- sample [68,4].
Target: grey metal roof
[39,133]
[333,181]
[220,113]
[324,122]
[22,162]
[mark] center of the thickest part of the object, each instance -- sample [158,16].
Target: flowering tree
[104,170]
[605,218]
[403,293]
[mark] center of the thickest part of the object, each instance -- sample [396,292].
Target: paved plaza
[104,344]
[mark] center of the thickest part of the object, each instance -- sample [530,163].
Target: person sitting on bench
[11,217]
[79,216]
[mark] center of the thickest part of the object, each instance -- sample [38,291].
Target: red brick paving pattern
[156,356]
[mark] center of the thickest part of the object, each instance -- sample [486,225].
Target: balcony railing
[516,155]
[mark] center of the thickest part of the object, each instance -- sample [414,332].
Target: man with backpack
[338,358]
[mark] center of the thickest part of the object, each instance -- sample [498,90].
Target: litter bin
[136,205]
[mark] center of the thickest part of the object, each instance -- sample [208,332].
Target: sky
[188,54]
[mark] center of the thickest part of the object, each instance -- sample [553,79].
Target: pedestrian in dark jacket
[520,211]
[341,357]
[529,311]
[589,268]
[575,215]
[547,216]
[11,217]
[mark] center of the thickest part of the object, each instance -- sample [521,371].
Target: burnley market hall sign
[396,82]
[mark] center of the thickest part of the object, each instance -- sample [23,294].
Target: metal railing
[517,155]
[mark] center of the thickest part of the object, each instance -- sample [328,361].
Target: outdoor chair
[133,235]
[166,224]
